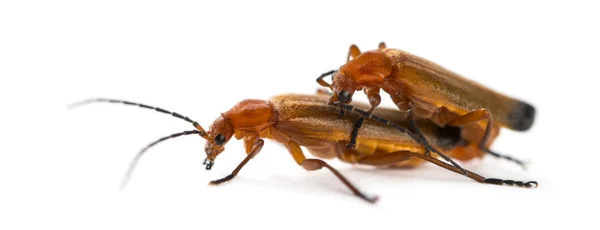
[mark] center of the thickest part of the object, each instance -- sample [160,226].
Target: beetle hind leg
[402,156]
[477,116]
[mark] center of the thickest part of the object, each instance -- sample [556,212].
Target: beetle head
[343,88]
[368,69]
[219,134]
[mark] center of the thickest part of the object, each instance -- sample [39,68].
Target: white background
[61,169]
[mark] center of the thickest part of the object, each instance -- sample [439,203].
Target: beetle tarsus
[224,179]
[372,199]
[528,184]
[209,163]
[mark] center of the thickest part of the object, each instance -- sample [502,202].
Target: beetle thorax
[369,69]
[252,115]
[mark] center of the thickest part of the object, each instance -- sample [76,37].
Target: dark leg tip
[219,181]
[493,181]
[531,184]
[372,199]
[519,183]
[511,182]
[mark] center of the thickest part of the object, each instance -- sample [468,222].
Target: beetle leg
[323,82]
[473,175]
[316,164]
[521,163]
[374,101]
[479,115]
[400,156]
[256,147]
[249,141]
[353,156]
[413,125]
[354,52]
[427,152]
[387,159]
[324,92]
[476,116]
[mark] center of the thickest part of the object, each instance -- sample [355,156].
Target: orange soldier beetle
[309,121]
[429,91]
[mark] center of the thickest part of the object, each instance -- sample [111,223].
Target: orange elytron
[430,91]
[309,121]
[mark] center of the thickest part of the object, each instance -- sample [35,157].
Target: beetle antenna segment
[521,163]
[177,115]
[415,136]
[137,157]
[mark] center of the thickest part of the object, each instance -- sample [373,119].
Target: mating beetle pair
[437,109]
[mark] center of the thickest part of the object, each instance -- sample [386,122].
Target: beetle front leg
[382,45]
[256,147]
[324,92]
[374,101]
[353,52]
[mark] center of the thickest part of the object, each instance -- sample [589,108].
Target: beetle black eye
[344,96]
[220,139]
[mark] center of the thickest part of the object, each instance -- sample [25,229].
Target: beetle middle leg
[316,164]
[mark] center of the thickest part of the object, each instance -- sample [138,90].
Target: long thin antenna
[137,157]
[202,132]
